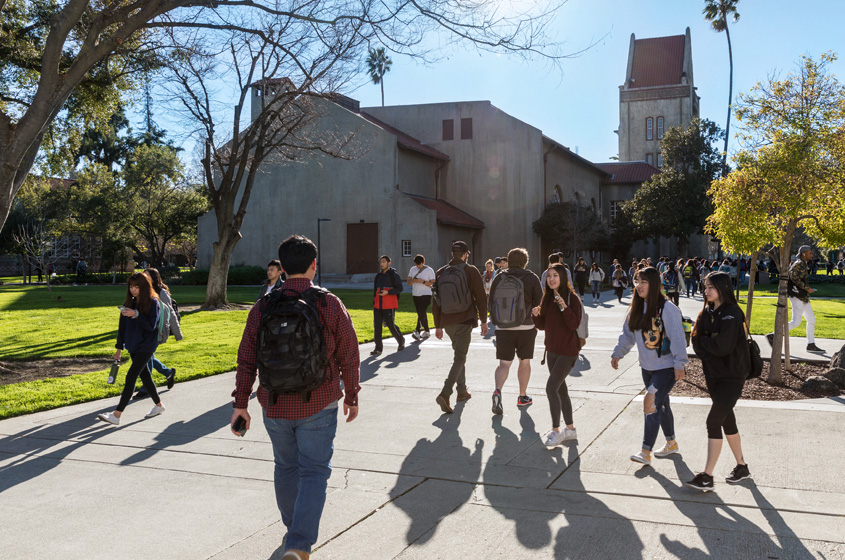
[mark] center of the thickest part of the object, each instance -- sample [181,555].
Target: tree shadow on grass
[42,350]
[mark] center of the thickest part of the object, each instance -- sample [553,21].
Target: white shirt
[426,274]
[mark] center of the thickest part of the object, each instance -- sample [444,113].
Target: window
[660,160]
[659,128]
[614,208]
[406,248]
[448,129]
[466,129]
[557,197]
[649,128]
[649,159]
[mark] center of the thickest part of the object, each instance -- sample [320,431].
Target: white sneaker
[415,335]
[641,457]
[157,409]
[569,435]
[554,439]
[425,335]
[667,450]
[110,418]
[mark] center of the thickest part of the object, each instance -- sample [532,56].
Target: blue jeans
[663,380]
[691,286]
[302,450]
[159,367]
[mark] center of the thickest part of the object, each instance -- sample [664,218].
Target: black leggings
[139,366]
[725,393]
[556,391]
[421,304]
[581,281]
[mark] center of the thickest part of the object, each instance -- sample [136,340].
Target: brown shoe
[296,555]
[465,396]
[444,404]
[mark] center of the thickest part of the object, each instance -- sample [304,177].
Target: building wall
[573,176]
[497,176]
[675,105]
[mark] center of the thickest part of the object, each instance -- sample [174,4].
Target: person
[163,292]
[274,278]
[596,278]
[554,258]
[489,274]
[81,269]
[671,282]
[421,278]
[514,340]
[654,325]
[828,267]
[505,265]
[137,332]
[386,289]
[799,297]
[718,337]
[559,314]
[459,325]
[619,282]
[840,266]
[497,262]
[691,279]
[39,271]
[302,432]
[632,270]
[581,272]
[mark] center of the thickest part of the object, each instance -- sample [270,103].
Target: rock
[819,384]
[837,375]
[838,360]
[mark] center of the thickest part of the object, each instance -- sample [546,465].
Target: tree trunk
[775,369]
[381,82]
[218,273]
[730,97]
[751,279]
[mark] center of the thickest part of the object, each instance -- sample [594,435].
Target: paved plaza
[410,482]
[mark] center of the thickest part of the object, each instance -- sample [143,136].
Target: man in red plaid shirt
[302,433]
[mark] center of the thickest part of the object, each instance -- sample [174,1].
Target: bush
[238,275]
[834,278]
[92,278]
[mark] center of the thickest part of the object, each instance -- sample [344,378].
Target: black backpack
[292,352]
[452,290]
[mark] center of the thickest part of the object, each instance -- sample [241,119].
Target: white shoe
[110,418]
[425,335]
[569,435]
[415,335]
[554,439]
[641,457]
[666,450]
[157,409]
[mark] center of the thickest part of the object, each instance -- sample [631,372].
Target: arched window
[557,196]
[593,203]
[659,128]
[649,128]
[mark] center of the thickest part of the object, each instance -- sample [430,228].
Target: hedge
[238,275]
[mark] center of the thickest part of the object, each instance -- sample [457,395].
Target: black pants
[385,317]
[581,281]
[674,297]
[619,291]
[725,393]
[138,366]
[421,304]
[556,390]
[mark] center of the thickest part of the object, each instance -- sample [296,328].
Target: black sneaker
[497,402]
[814,348]
[171,379]
[141,394]
[702,481]
[375,353]
[524,401]
[771,338]
[739,474]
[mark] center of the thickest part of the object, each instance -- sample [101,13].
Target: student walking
[489,274]
[691,279]
[137,332]
[654,325]
[386,289]
[275,278]
[619,281]
[421,278]
[458,308]
[671,280]
[718,338]
[163,292]
[582,274]
[559,314]
[515,292]
[799,291]
[596,278]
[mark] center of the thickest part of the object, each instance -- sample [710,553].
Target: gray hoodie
[673,328]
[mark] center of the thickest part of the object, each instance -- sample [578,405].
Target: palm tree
[717,12]
[378,64]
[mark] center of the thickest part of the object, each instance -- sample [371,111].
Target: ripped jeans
[663,380]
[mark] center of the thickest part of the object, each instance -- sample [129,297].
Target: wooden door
[361,248]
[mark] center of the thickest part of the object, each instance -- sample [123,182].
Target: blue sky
[579,106]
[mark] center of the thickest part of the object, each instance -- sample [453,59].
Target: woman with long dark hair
[596,278]
[718,338]
[655,326]
[138,333]
[581,273]
[163,291]
[559,314]
[619,280]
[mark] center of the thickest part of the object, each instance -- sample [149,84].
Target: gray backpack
[452,291]
[507,302]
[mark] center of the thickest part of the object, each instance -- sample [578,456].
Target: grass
[830,317]
[35,325]
[822,290]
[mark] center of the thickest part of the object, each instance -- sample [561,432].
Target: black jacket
[719,341]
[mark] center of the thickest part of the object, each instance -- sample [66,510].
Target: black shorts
[519,343]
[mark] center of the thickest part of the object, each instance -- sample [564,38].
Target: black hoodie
[720,342]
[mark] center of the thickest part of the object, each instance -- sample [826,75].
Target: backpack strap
[662,328]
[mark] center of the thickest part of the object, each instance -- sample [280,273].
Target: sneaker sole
[737,480]
[101,419]
[444,404]
[702,488]
[666,454]
[522,404]
[640,461]
[497,406]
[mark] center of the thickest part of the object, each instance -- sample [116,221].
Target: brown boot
[444,404]
[465,396]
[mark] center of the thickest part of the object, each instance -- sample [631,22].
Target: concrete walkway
[410,482]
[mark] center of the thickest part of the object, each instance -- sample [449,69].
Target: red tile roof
[658,61]
[404,140]
[448,214]
[628,171]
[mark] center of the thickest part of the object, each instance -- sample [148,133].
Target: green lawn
[34,324]
[822,290]
[830,317]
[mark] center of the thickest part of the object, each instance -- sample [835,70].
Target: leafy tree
[790,173]
[378,64]
[571,227]
[674,202]
[717,12]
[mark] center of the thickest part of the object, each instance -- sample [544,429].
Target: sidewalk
[410,482]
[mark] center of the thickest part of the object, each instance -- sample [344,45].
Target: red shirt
[343,354]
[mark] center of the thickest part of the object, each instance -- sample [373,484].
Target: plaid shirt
[344,361]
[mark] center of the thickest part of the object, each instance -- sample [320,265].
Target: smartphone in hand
[239,425]
[121,307]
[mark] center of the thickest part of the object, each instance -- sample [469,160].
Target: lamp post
[319,267]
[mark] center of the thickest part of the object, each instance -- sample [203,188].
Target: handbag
[754,349]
